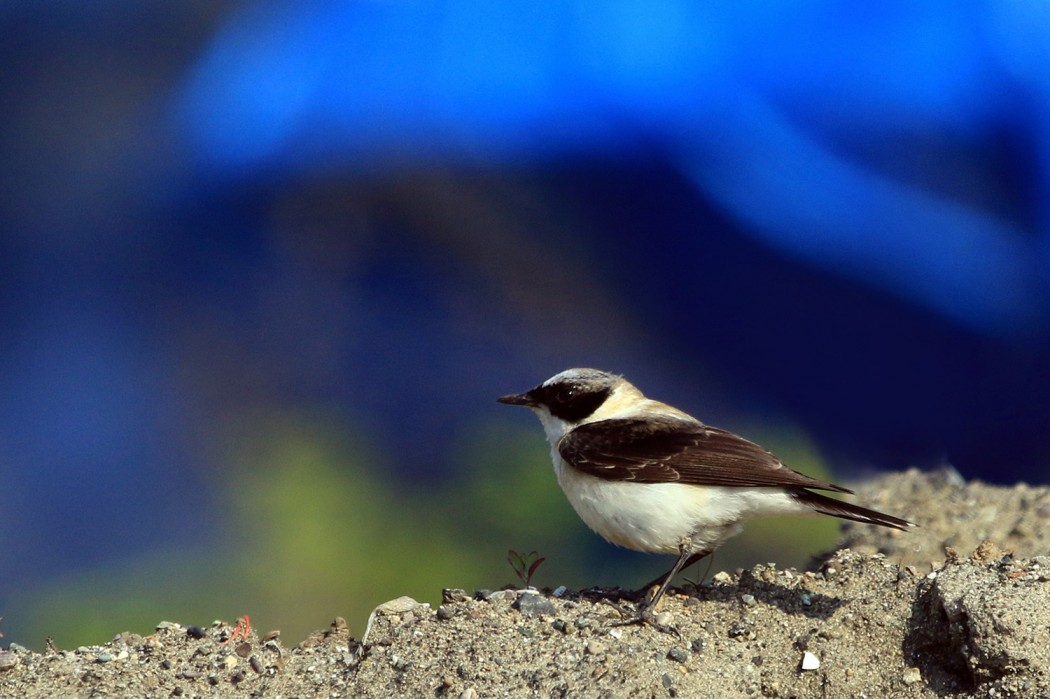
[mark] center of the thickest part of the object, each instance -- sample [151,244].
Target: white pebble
[559,591]
[810,661]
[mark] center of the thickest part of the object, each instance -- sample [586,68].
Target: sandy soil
[960,606]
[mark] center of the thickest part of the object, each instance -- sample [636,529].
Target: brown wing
[669,450]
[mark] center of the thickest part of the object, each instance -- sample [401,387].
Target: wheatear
[649,477]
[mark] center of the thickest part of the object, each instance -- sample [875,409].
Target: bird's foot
[646,616]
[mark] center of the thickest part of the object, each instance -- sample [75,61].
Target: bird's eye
[565,394]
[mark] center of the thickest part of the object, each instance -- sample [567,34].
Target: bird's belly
[657,517]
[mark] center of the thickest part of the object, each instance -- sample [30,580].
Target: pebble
[469,693]
[678,655]
[748,600]
[453,594]
[722,577]
[395,606]
[535,605]
[664,618]
[446,612]
[7,660]
[502,596]
[559,591]
[103,657]
[594,648]
[243,649]
[195,632]
[911,675]
[810,661]
[166,625]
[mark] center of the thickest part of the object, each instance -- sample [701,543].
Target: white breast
[656,517]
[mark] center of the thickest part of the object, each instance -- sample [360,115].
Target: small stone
[469,693]
[399,605]
[169,625]
[502,596]
[739,631]
[7,660]
[810,661]
[678,655]
[698,645]
[559,591]
[230,661]
[195,632]
[271,635]
[722,577]
[911,675]
[238,676]
[243,649]
[17,648]
[450,595]
[560,625]
[664,619]
[446,612]
[748,600]
[103,657]
[616,633]
[594,648]
[932,576]
[534,605]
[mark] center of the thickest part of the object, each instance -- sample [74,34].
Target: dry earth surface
[958,607]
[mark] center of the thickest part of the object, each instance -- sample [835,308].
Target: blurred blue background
[265,266]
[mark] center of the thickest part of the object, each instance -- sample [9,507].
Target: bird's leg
[686,558]
[641,592]
[646,610]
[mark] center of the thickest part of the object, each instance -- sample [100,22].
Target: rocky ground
[959,606]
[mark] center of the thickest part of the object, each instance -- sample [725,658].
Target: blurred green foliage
[315,529]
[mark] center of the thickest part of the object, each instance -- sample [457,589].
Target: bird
[649,477]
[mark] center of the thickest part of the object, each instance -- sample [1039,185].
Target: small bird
[649,477]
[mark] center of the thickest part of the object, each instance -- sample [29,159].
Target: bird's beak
[518,399]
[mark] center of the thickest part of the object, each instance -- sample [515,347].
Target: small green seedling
[524,565]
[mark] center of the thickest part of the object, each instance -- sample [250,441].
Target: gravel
[960,606]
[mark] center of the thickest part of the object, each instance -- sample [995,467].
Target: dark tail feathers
[845,510]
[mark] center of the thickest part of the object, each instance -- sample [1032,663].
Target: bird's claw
[646,616]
